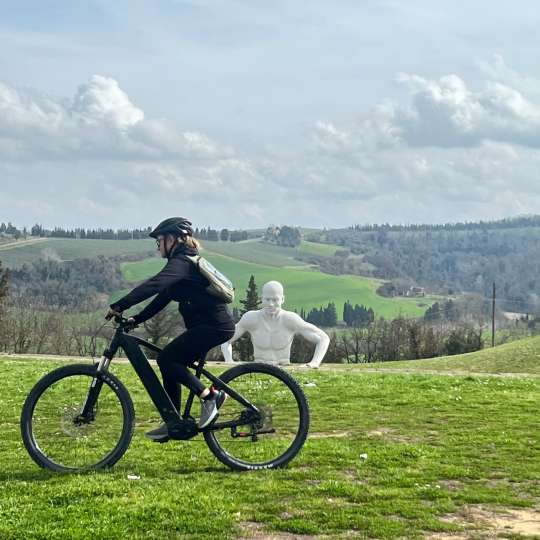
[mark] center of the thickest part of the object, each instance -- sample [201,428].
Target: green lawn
[434,444]
[303,288]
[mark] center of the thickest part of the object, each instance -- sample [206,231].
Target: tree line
[397,339]
[38,230]
[507,223]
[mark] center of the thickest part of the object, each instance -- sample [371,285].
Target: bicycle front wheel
[276,435]
[56,433]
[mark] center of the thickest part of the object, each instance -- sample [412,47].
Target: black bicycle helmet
[177,226]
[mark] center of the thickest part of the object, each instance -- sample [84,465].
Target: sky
[245,114]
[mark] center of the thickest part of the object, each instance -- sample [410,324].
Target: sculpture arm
[226,348]
[317,336]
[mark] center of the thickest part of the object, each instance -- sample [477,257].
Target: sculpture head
[272,297]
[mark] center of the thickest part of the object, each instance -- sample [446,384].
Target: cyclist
[207,319]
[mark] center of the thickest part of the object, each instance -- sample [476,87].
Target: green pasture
[266,253]
[253,251]
[389,456]
[67,249]
[303,288]
[326,250]
[15,254]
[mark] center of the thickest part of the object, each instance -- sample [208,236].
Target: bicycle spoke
[268,439]
[64,438]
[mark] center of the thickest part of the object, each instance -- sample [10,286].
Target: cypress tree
[252,300]
[433,313]
[330,315]
[347,313]
[243,346]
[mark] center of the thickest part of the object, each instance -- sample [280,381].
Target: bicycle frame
[180,426]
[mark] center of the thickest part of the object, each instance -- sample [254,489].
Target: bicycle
[81,417]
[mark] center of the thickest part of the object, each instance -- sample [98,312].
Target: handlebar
[123,323]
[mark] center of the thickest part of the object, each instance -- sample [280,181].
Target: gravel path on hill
[21,243]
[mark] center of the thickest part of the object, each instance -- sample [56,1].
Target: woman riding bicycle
[207,319]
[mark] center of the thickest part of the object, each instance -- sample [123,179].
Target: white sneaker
[209,408]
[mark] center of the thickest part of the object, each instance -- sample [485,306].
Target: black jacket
[182,282]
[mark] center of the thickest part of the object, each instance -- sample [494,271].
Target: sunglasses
[158,241]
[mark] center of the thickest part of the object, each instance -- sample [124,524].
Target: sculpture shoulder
[293,321]
[250,320]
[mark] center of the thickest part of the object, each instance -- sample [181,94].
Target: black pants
[182,351]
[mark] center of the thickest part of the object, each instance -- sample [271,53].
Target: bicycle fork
[87,413]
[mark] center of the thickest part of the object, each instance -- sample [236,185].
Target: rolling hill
[522,356]
[305,288]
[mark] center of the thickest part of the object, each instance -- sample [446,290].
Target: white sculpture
[272,330]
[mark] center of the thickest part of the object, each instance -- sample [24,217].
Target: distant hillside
[445,259]
[448,259]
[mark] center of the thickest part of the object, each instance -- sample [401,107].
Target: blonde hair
[188,241]
[192,242]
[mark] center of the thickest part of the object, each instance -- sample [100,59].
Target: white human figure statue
[272,330]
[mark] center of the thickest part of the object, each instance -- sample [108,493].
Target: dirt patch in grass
[351,476]
[388,434]
[489,523]
[253,530]
[446,536]
[450,485]
[330,434]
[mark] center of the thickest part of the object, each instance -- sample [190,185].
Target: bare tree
[334,353]
[85,334]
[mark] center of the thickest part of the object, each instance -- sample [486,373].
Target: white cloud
[451,153]
[447,113]
[102,101]
[100,122]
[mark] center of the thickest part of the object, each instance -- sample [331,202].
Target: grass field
[256,252]
[66,249]
[14,254]
[522,356]
[269,254]
[443,457]
[303,288]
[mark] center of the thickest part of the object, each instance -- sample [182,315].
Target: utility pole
[493,318]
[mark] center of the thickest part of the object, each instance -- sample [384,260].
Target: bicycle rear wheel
[56,434]
[275,437]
